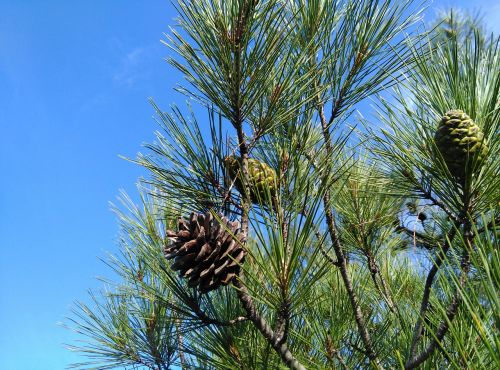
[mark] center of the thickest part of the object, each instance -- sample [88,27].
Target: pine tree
[285,231]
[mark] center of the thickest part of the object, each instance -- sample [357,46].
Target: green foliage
[364,248]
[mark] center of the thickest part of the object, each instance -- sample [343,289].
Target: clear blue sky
[74,81]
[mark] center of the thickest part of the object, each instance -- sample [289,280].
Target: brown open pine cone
[205,251]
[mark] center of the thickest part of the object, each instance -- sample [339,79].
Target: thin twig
[436,202]
[237,121]
[382,288]
[451,312]
[332,352]
[358,314]
[417,331]
[180,345]
[340,360]
[265,329]
[420,239]
[205,319]
[324,252]
[283,316]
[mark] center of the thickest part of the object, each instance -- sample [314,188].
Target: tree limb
[382,288]
[451,312]
[180,345]
[358,314]
[237,121]
[260,323]
[428,195]
[324,252]
[417,331]
[420,239]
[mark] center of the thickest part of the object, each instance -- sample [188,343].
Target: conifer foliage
[284,229]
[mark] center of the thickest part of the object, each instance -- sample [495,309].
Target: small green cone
[262,177]
[460,142]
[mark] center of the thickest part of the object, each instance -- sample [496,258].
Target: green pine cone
[262,177]
[460,142]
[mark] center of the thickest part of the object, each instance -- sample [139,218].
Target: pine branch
[374,273]
[451,312]
[417,331]
[180,345]
[420,239]
[273,339]
[356,68]
[428,195]
[358,314]
[283,321]
[324,252]
[276,341]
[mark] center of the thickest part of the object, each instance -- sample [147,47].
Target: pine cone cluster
[262,177]
[205,251]
[460,142]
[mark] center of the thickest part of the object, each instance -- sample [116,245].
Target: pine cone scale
[228,277]
[204,251]
[188,247]
[180,262]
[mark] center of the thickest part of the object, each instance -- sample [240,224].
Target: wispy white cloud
[134,65]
